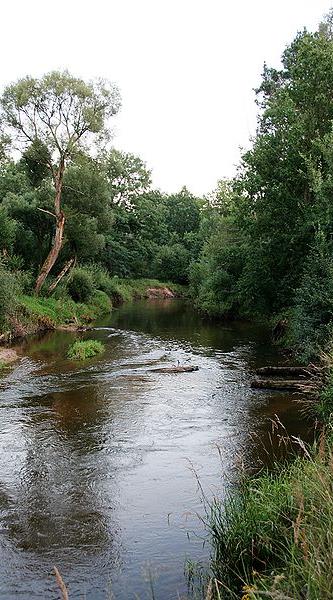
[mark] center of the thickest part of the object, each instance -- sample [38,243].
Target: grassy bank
[273,538]
[27,314]
[34,314]
[127,290]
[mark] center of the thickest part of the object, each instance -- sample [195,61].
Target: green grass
[127,290]
[33,313]
[62,311]
[81,350]
[274,536]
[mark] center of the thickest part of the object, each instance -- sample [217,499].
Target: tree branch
[48,212]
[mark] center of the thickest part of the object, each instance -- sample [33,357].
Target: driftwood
[62,274]
[61,584]
[284,384]
[284,371]
[179,369]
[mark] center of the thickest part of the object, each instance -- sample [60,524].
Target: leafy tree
[172,263]
[183,213]
[312,316]
[127,176]
[55,115]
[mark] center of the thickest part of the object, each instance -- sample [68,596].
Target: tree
[127,176]
[55,115]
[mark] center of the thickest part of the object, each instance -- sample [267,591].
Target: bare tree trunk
[62,274]
[59,233]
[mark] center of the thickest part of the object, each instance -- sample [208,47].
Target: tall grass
[274,537]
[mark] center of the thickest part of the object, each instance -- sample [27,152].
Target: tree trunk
[62,274]
[276,384]
[285,371]
[59,233]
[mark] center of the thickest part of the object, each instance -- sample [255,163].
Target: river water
[102,462]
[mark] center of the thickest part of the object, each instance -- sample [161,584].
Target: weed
[81,350]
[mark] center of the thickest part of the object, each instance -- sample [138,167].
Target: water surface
[100,461]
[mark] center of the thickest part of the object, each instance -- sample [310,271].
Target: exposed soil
[160,293]
[8,356]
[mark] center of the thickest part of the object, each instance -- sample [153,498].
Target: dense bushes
[312,316]
[80,285]
[172,263]
[9,290]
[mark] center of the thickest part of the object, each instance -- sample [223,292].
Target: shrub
[9,290]
[81,285]
[81,350]
[101,278]
[172,263]
[311,323]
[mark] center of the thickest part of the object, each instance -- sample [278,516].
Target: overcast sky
[186,69]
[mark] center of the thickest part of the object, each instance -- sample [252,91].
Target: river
[100,461]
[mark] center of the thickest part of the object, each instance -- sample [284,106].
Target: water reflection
[97,458]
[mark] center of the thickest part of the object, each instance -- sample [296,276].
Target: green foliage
[263,255]
[55,116]
[8,229]
[312,318]
[126,175]
[9,290]
[35,160]
[214,278]
[57,110]
[54,312]
[324,405]
[183,213]
[81,285]
[81,350]
[172,263]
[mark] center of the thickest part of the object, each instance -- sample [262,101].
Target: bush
[9,290]
[214,278]
[172,263]
[101,278]
[311,323]
[81,285]
[81,350]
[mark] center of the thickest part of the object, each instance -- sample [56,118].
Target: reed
[273,538]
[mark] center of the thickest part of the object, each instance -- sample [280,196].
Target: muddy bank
[161,293]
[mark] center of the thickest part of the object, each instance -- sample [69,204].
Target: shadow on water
[97,457]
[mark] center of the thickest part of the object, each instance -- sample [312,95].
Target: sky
[186,70]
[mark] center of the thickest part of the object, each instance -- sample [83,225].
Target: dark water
[100,460]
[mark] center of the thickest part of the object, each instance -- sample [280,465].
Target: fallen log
[179,369]
[284,371]
[284,384]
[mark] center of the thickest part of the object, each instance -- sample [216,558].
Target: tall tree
[127,176]
[55,115]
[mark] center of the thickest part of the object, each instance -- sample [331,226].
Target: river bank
[273,533]
[273,537]
[30,314]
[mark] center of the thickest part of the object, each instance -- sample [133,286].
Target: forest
[81,225]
